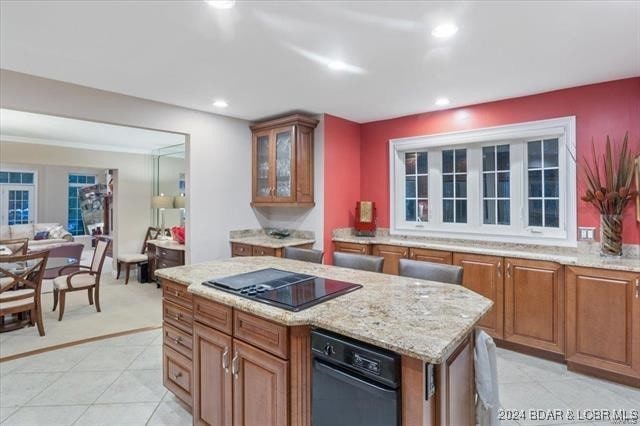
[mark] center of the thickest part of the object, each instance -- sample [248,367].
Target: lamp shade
[179,201]
[162,202]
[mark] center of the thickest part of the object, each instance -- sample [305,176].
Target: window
[17,197]
[20,178]
[508,183]
[77,181]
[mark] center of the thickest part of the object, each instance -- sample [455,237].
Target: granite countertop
[261,237]
[421,319]
[171,244]
[562,255]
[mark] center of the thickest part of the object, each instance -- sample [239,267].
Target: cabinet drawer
[263,251]
[212,314]
[177,340]
[177,375]
[162,263]
[178,316]
[352,248]
[259,332]
[428,255]
[238,249]
[176,293]
[168,254]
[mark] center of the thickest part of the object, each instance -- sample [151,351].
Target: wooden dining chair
[20,288]
[18,246]
[128,260]
[87,278]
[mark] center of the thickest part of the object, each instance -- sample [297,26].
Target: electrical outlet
[586,233]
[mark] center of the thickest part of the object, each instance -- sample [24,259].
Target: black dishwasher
[354,384]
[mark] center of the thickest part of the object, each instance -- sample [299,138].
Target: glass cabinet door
[284,162]
[263,169]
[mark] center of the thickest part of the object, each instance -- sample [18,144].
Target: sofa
[56,236]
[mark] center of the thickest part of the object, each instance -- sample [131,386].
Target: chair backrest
[306,255]
[486,377]
[358,261]
[431,271]
[152,234]
[18,246]
[99,255]
[23,271]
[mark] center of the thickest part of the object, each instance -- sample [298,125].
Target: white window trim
[564,126]
[34,184]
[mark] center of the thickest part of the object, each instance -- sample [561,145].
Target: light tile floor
[118,381]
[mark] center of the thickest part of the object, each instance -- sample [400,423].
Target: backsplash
[293,233]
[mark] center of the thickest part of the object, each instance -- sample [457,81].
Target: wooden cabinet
[392,256]
[534,304]
[603,323]
[242,249]
[351,248]
[213,389]
[282,169]
[484,275]
[161,256]
[259,387]
[428,255]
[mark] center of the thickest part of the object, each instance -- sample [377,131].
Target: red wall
[342,162]
[602,109]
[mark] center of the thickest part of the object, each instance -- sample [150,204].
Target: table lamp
[162,202]
[179,202]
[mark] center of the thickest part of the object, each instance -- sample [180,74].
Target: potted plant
[608,180]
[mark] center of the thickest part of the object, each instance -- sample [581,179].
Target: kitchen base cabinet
[392,256]
[352,248]
[428,255]
[534,304]
[603,323]
[241,249]
[484,275]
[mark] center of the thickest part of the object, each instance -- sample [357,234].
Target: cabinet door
[212,377]
[603,320]
[304,164]
[392,256]
[259,387]
[352,248]
[534,304]
[484,275]
[284,164]
[427,255]
[263,160]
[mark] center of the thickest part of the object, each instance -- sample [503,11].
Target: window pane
[82,179]
[410,187]
[502,152]
[27,178]
[551,213]
[447,211]
[489,185]
[504,212]
[503,185]
[535,212]
[423,186]
[73,179]
[4,177]
[461,186]
[14,177]
[551,153]
[461,211]
[488,158]
[447,161]
[410,210]
[551,183]
[535,183]
[423,211]
[489,208]
[461,160]
[534,152]
[423,165]
[410,163]
[91,179]
[447,186]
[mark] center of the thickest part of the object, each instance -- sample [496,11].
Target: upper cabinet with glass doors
[282,166]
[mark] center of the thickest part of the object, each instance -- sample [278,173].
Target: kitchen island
[238,361]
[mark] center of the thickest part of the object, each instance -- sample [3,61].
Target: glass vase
[611,235]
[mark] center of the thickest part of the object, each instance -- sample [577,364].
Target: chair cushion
[132,258]
[15,303]
[23,293]
[6,282]
[78,281]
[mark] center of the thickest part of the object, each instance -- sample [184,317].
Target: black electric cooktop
[288,290]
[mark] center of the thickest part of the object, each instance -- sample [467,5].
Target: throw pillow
[42,235]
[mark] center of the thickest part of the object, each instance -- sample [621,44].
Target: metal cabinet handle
[241,248]
[499,268]
[225,359]
[177,317]
[177,375]
[234,365]
[637,288]
[177,339]
[177,293]
[509,269]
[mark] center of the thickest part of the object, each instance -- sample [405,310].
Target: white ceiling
[26,127]
[265,58]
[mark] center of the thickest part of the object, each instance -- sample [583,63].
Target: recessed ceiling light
[222,4]
[442,101]
[337,65]
[444,30]
[220,103]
